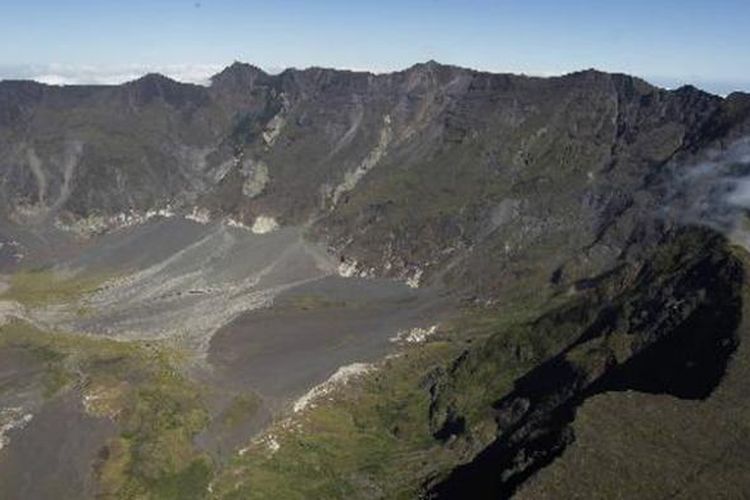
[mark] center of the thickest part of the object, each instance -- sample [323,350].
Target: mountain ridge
[251,69]
[308,140]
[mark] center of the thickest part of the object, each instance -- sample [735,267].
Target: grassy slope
[628,443]
[157,410]
[373,440]
[41,287]
[373,437]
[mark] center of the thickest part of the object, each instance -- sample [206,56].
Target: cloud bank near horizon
[68,74]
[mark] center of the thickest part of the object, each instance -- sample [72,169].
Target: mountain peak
[432,63]
[428,66]
[238,74]
[152,79]
[154,86]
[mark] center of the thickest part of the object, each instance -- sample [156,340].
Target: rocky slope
[668,325]
[431,170]
[554,211]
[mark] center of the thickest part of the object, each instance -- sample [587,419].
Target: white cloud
[714,192]
[70,74]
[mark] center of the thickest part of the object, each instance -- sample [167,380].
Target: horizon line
[64,75]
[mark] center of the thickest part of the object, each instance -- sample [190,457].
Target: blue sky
[667,41]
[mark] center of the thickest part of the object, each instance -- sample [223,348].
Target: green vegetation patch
[242,407]
[43,287]
[157,410]
[373,439]
[373,436]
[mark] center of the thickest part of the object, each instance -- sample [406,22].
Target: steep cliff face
[432,171]
[667,325]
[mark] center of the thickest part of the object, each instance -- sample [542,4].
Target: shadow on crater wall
[687,361]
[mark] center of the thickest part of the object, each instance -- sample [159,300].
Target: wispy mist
[69,74]
[714,192]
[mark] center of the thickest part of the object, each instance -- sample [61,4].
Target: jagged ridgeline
[543,258]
